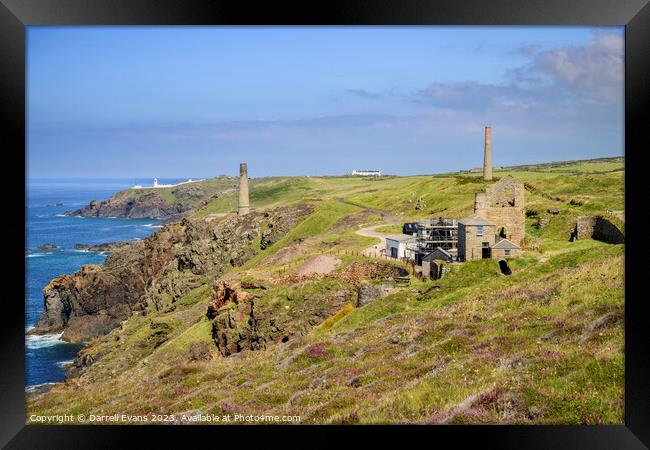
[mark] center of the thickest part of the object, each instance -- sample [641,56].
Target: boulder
[367,293]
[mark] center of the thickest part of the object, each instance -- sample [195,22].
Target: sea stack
[244,205]
[487,156]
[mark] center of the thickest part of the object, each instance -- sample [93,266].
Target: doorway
[486,251]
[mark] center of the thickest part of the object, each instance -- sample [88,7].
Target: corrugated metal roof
[506,244]
[474,219]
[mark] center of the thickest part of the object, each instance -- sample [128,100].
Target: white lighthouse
[155,182]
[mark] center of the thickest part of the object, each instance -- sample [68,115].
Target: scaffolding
[431,234]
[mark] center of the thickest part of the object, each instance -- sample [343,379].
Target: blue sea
[47,200]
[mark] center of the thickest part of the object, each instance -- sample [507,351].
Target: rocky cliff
[145,273]
[251,315]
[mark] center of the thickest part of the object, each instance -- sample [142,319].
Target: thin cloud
[472,96]
[362,93]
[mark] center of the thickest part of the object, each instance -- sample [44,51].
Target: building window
[479,230]
[507,252]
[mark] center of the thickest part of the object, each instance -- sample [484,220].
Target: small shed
[440,254]
[396,245]
[505,249]
[433,263]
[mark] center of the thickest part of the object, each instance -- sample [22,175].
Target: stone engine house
[497,227]
[503,205]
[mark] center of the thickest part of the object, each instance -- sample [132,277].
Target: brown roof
[506,244]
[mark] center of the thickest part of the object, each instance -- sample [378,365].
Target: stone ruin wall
[598,228]
[585,227]
[495,205]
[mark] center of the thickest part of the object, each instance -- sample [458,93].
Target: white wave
[64,364]
[36,386]
[34,255]
[152,225]
[43,340]
[29,328]
[60,215]
[80,250]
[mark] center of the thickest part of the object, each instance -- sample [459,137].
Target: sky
[134,102]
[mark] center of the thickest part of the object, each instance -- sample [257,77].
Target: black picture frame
[16,15]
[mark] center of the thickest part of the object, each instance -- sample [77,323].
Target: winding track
[389,217]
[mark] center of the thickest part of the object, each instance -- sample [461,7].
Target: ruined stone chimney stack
[244,205]
[487,156]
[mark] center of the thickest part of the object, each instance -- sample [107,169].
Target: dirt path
[322,264]
[370,232]
[389,217]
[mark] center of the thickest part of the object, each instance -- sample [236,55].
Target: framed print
[413,220]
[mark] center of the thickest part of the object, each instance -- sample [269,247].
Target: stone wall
[585,227]
[599,228]
[499,253]
[472,244]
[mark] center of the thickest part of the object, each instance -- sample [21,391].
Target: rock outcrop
[244,320]
[103,248]
[154,203]
[367,293]
[145,273]
[149,205]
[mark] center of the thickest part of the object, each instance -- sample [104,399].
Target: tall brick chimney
[487,156]
[244,205]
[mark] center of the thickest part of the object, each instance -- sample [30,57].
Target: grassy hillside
[199,190]
[544,345]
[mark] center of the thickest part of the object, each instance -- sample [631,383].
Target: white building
[396,245]
[157,185]
[367,173]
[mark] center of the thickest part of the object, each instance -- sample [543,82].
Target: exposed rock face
[149,205]
[98,298]
[248,321]
[246,316]
[367,293]
[206,247]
